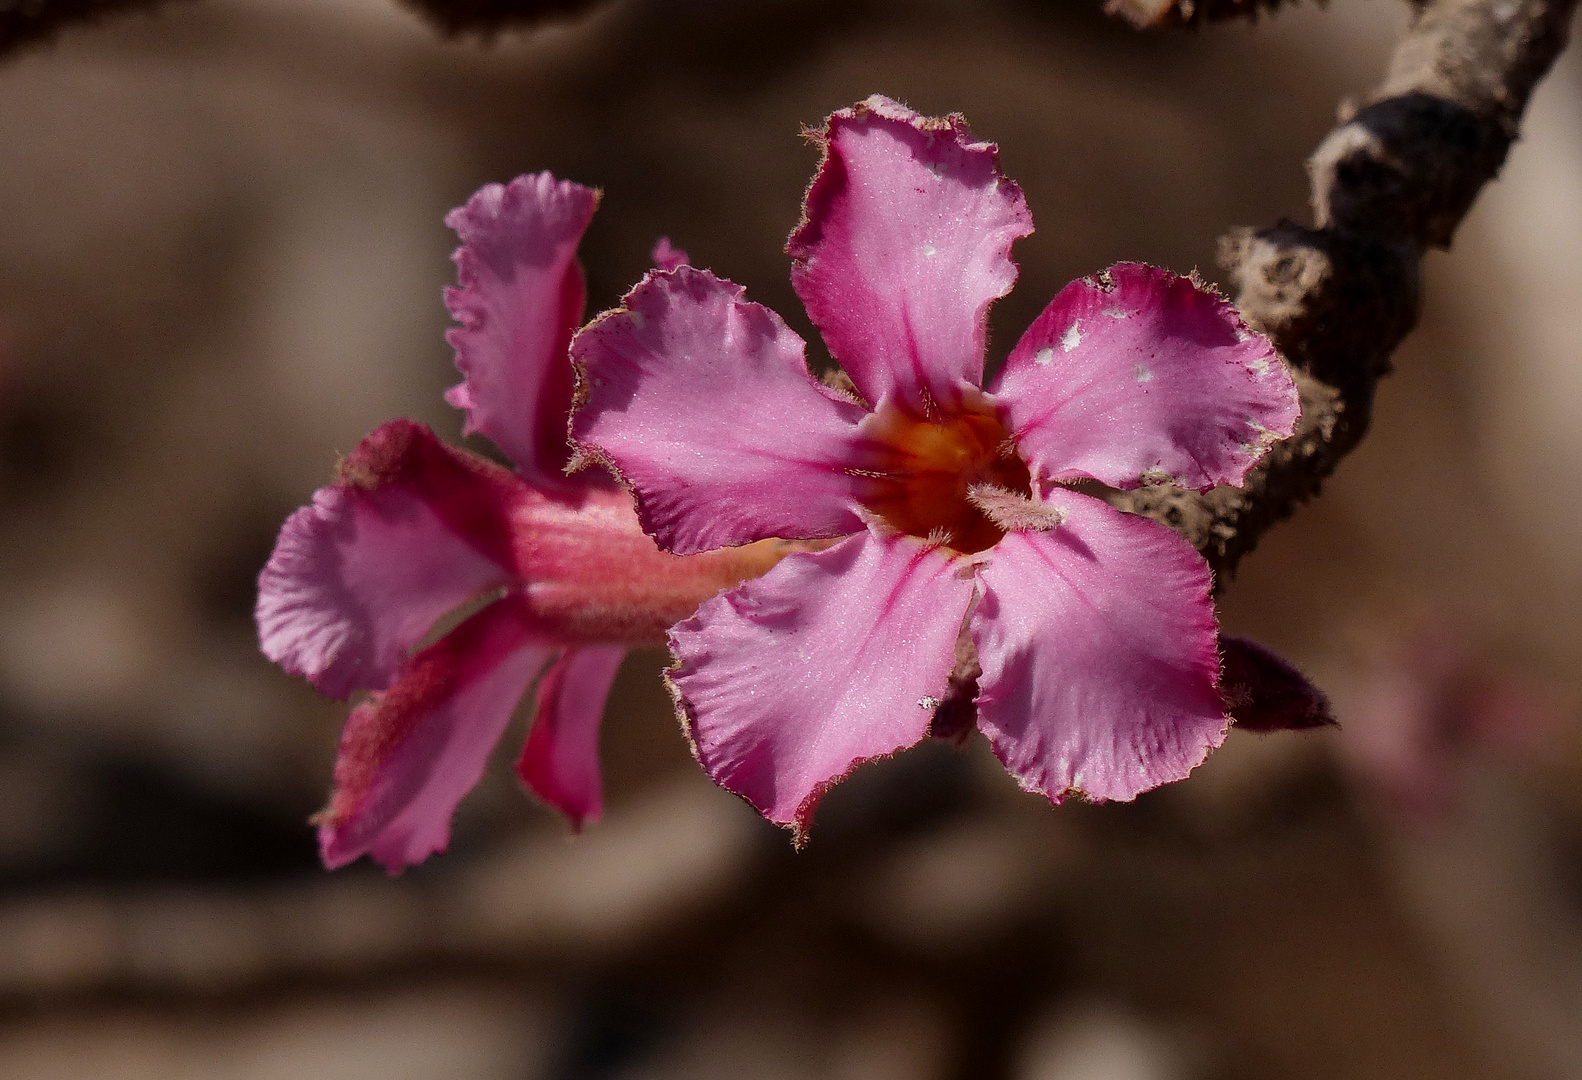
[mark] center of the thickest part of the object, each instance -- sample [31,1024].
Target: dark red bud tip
[956,717]
[1264,692]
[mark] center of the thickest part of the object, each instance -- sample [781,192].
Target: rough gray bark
[1394,179]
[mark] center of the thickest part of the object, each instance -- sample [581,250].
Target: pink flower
[948,508]
[1430,700]
[555,568]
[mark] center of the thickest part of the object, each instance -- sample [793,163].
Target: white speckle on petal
[1116,313]
[928,703]
[1073,337]
[929,250]
[638,322]
[1144,374]
[1044,357]
[937,170]
[1258,365]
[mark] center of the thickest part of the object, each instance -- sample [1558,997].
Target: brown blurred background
[221,254]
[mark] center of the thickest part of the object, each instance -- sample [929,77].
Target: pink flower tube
[946,507]
[557,567]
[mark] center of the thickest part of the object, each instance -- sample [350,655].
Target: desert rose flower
[946,506]
[557,567]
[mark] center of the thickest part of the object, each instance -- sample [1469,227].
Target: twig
[1394,179]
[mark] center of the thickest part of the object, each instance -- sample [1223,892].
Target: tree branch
[1393,180]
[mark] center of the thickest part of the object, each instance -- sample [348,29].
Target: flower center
[918,471]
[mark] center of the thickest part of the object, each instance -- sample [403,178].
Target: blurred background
[221,256]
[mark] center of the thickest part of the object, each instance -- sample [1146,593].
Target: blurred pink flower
[1431,699]
[413,530]
[1094,629]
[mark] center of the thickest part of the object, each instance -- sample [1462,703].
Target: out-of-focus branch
[1158,14]
[1394,179]
[488,17]
[26,21]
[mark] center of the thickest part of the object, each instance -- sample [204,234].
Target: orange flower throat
[919,471]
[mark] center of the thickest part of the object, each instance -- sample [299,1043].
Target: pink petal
[413,529]
[1100,662]
[1140,375]
[667,256]
[831,659]
[409,755]
[519,301]
[560,763]
[703,403]
[595,578]
[905,241]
